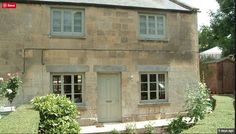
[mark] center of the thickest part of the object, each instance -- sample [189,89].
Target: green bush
[177,125]
[114,131]
[24,120]
[149,129]
[198,102]
[57,114]
[130,129]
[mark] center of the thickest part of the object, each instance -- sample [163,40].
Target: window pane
[143,77]
[67,79]
[151,25]
[67,88]
[153,95]
[56,79]
[160,32]
[56,21]
[161,86]
[57,89]
[67,21]
[78,88]
[161,78]
[144,96]
[160,25]
[153,86]
[78,22]
[143,24]
[78,79]
[152,77]
[77,28]
[68,96]
[78,98]
[162,95]
[144,87]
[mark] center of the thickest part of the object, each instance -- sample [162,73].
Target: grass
[221,117]
[23,120]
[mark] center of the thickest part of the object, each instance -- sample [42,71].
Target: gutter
[193,9]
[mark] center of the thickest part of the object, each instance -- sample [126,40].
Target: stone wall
[111,38]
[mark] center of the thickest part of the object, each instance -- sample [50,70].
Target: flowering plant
[9,87]
[2,87]
[198,102]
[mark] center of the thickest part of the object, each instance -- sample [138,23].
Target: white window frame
[152,36]
[62,33]
[148,90]
[72,83]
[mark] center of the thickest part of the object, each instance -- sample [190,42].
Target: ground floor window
[70,85]
[153,86]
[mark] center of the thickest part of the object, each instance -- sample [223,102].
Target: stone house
[118,60]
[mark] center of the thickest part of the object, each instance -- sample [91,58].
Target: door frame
[120,92]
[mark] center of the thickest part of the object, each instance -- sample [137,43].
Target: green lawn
[23,120]
[221,117]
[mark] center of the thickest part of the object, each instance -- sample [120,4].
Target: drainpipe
[222,89]
[23,70]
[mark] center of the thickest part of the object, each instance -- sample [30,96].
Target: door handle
[108,101]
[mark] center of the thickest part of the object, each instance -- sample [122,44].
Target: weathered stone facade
[111,39]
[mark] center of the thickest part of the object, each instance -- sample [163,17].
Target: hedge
[24,120]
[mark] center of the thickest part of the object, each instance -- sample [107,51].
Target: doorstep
[108,127]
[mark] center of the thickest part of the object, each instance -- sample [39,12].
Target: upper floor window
[152,26]
[70,85]
[67,22]
[153,87]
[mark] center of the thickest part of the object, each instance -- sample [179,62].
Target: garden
[55,113]
[204,114]
[221,117]
[46,114]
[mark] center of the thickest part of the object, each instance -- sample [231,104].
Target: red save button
[8,4]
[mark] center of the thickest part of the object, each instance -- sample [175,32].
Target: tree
[206,38]
[221,30]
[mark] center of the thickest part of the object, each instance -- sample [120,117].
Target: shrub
[24,120]
[9,88]
[2,86]
[57,114]
[198,102]
[149,129]
[114,131]
[130,129]
[177,125]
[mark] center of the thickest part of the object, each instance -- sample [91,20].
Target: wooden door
[109,102]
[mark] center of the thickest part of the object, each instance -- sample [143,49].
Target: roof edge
[182,4]
[95,5]
[220,60]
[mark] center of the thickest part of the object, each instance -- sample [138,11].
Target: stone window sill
[67,36]
[81,107]
[153,103]
[153,39]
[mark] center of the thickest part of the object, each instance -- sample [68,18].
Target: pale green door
[109,106]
